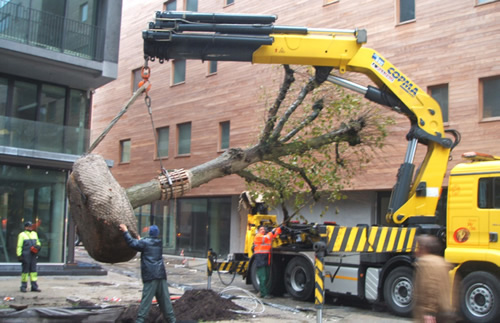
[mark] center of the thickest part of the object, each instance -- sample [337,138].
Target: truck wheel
[254,278]
[299,279]
[398,291]
[480,298]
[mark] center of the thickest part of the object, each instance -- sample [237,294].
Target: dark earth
[195,305]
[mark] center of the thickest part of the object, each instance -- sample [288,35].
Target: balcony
[42,136]
[55,33]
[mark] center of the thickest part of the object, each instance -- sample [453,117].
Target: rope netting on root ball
[98,205]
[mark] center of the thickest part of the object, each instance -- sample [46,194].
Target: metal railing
[45,30]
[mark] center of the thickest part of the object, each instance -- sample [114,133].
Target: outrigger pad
[98,204]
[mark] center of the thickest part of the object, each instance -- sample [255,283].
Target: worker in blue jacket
[154,276]
[28,246]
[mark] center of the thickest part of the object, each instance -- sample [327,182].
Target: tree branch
[271,114]
[317,107]
[302,174]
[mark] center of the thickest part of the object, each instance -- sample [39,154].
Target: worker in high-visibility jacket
[28,246]
[262,245]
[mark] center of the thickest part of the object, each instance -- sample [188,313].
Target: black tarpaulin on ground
[60,315]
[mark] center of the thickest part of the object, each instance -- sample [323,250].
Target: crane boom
[254,38]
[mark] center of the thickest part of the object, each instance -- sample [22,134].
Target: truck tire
[398,291]
[480,297]
[299,279]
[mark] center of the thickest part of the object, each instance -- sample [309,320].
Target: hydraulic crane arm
[254,38]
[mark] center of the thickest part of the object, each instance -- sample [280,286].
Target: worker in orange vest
[262,257]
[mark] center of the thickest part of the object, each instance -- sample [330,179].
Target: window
[440,94]
[136,78]
[163,137]
[191,5]
[489,193]
[179,72]
[4,85]
[228,2]
[224,135]
[212,67]
[84,12]
[184,135]
[24,100]
[170,5]
[125,151]
[406,10]
[489,89]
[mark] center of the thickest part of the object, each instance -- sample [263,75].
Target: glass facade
[37,195]
[57,25]
[192,225]
[42,116]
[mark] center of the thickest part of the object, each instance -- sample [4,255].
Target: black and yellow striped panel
[319,290]
[373,239]
[233,266]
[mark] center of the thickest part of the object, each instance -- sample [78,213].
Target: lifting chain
[146,73]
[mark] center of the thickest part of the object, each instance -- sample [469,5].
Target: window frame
[229,2]
[178,130]
[157,155]
[166,3]
[122,142]
[481,98]
[398,14]
[443,110]
[185,5]
[220,147]
[136,78]
[209,69]
[174,69]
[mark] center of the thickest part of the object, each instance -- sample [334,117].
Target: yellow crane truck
[373,263]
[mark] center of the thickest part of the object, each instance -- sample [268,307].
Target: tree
[305,147]
[308,145]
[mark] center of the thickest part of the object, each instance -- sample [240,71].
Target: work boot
[23,287]
[34,287]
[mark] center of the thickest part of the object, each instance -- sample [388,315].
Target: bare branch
[317,107]
[302,173]
[311,85]
[271,114]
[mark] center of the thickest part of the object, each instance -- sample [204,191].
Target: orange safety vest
[263,242]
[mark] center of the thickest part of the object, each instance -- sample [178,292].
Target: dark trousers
[156,288]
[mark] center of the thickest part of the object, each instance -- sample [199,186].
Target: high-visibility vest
[263,242]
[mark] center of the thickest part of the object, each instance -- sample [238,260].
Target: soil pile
[195,305]
[205,305]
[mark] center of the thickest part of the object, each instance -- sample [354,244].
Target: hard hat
[28,224]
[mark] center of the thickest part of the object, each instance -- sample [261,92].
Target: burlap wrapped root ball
[98,204]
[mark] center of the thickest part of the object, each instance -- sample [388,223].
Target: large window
[184,142]
[406,10]
[440,94]
[163,137]
[178,71]
[36,195]
[203,223]
[490,96]
[41,116]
